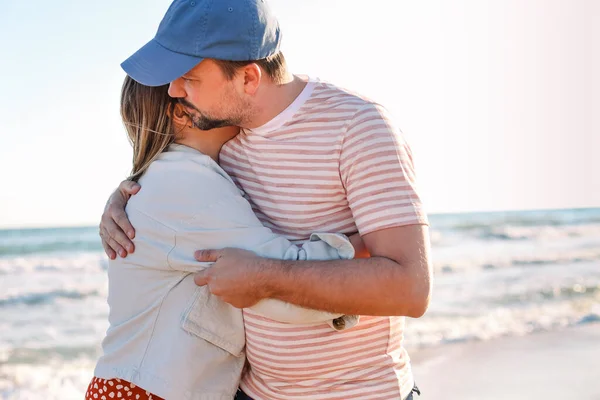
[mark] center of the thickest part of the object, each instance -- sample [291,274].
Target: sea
[496,274]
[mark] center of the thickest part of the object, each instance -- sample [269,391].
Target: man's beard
[204,122]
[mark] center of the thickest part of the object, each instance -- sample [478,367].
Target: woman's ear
[179,117]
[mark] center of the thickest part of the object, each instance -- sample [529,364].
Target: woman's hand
[114,222]
[360,250]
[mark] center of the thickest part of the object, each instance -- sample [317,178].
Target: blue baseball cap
[192,30]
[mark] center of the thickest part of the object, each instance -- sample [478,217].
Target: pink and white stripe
[338,165]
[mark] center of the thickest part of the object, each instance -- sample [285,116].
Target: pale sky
[500,100]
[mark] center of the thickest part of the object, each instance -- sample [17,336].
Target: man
[311,157]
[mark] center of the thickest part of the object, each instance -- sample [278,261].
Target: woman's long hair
[146,115]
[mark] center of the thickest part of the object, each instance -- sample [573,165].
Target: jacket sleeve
[231,223]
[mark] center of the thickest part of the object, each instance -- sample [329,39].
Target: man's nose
[176,89]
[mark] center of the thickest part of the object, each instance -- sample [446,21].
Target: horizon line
[482,211]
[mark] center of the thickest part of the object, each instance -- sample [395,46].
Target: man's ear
[252,78]
[179,117]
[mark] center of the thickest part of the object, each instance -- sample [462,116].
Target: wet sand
[563,364]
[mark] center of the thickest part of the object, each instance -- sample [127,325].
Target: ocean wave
[575,257]
[455,266]
[47,380]
[436,329]
[533,236]
[15,242]
[591,318]
[571,291]
[34,299]
[89,261]
[477,221]
[50,247]
[541,232]
[489,233]
[42,355]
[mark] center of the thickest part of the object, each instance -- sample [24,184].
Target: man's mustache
[187,104]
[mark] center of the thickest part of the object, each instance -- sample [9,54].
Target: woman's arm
[261,240]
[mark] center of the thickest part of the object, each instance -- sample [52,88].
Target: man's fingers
[114,231]
[107,249]
[110,242]
[207,255]
[119,217]
[109,252]
[129,188]
[201,278]
[116,208]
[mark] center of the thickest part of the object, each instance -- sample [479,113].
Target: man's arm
[377,172]
[396,280]
[114,222]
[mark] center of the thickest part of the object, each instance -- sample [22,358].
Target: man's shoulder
[326,93]
[355,108]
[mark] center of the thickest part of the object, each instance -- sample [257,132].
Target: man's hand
[114,222]
[395,280]
[235,277]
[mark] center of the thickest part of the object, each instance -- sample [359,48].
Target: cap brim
[154,65]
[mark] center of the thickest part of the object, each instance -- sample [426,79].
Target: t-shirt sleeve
[377,171]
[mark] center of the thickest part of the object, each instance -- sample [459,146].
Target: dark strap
[416,390]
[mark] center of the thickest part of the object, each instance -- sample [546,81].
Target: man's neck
[273,99]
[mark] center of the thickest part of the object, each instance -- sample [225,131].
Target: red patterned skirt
[115,389]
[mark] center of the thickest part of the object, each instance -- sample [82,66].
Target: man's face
[209,98]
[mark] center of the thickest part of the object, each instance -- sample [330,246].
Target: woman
[169,338]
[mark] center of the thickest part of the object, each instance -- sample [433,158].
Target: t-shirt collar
[287,114]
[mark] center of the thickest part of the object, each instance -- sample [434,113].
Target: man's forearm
[372,286]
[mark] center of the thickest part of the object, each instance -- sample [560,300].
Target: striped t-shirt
[331,162]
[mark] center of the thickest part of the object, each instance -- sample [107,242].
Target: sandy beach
[562,364]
